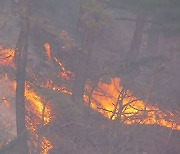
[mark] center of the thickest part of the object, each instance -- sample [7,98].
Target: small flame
[65,74]
[48,50]
[7,56]
[46,146]
[6,102]
[50,85]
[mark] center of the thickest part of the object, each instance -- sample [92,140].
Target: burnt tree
[86,32]
[137,36]
[21,60]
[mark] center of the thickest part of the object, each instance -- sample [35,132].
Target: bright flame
[41,110]
[109,99]
[36,103]
[112,101]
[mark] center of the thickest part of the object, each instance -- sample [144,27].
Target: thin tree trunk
[137,36]
[153,39]
[82,67]
[21,59]
[83,57]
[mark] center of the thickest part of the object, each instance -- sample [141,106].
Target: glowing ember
[68,42]
[65,74]
[52,86]
[6,56]
[48,50]
[6,102]
[46,146]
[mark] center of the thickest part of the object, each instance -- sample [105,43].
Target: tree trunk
[21,59]
[153,39]
[137,36]
[86,33]
[82,66]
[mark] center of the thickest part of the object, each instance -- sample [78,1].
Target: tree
[21,60]
[89,19]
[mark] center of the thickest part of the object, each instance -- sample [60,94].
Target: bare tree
[137,36]
[21,60]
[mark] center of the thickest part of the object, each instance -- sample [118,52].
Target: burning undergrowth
[111,100]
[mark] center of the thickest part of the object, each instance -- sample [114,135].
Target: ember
[6,56]
[48,50]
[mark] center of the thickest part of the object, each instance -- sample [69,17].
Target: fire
[6,56]
[113,101]
[36,103]
[41,110]
[50,85]
[64,73]
[48,50]
[46,146]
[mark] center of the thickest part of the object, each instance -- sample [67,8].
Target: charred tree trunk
[129,65]
[83,56]
[153,38]
[21,59]
[137,36]
[82,66]
[79,82]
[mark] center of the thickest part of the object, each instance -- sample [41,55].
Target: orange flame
[48,50]
[108,100]
[50,85]
[46,146]
[38,107]
[36,103]
[65,74]
[7,56]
